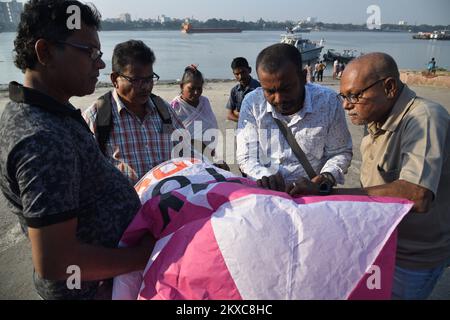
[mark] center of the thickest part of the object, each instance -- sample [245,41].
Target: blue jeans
[415,284]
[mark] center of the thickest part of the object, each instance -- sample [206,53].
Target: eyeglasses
[94,53]
[140,81]
[354,98]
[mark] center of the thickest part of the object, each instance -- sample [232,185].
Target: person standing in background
[242,72]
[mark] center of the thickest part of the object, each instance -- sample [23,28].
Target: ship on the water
[299,28]
[187,27]
[436,35]
[346,56]
[309,50]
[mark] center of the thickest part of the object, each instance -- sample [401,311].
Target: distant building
[10,12]
[125,17]
[163,19]
[402,23]
[311,19]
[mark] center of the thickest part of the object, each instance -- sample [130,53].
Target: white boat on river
[310,50]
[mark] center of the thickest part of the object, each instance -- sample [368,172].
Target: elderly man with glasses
[405,154]
[139,137]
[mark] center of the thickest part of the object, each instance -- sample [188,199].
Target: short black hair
[47,19]
[274,57]
[239,62]
[130,52]
[190,74]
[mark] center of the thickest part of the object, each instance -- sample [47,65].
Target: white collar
[307,108]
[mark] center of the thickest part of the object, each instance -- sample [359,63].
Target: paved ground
[15,257]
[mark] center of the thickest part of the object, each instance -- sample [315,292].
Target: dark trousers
[320,76]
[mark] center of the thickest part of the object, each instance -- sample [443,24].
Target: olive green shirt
[413,145]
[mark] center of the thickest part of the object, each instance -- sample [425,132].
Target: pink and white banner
[220,237]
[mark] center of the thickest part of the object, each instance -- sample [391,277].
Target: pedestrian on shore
[341,68]
[309,73]
[335,69]
[321,68]
[432,67]
[316,71]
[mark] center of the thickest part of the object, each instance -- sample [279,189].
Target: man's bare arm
[421,196]
[55,247]
[233,115]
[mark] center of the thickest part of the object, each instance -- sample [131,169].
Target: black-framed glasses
[94,53]
[354,98]
[140,81]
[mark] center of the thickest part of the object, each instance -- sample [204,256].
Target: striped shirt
[134,145]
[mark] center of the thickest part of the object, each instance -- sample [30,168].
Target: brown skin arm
[302,186]
[222,165]
[421,196]
[233,115]
[54,248]
[274,182]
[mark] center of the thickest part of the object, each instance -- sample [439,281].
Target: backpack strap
[103,121]
[163,112]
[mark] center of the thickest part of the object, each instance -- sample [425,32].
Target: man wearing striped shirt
[138,141]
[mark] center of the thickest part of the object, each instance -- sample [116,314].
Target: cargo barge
[187,28]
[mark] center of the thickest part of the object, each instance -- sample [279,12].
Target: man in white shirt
[335,68]
[313,113]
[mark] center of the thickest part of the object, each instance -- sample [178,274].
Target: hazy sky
[340,11]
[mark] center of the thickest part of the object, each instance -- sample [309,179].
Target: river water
[214,52]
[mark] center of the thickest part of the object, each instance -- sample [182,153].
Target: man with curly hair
[71,202]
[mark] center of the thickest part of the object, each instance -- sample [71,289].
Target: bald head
[372,66]
[370,86]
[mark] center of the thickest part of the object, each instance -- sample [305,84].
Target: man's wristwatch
[329,177]
[326,186]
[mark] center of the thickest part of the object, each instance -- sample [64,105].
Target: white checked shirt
[319,127]
[135,146]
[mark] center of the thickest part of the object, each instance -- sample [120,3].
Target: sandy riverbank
[421,78]
[411,77]
[15,252]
